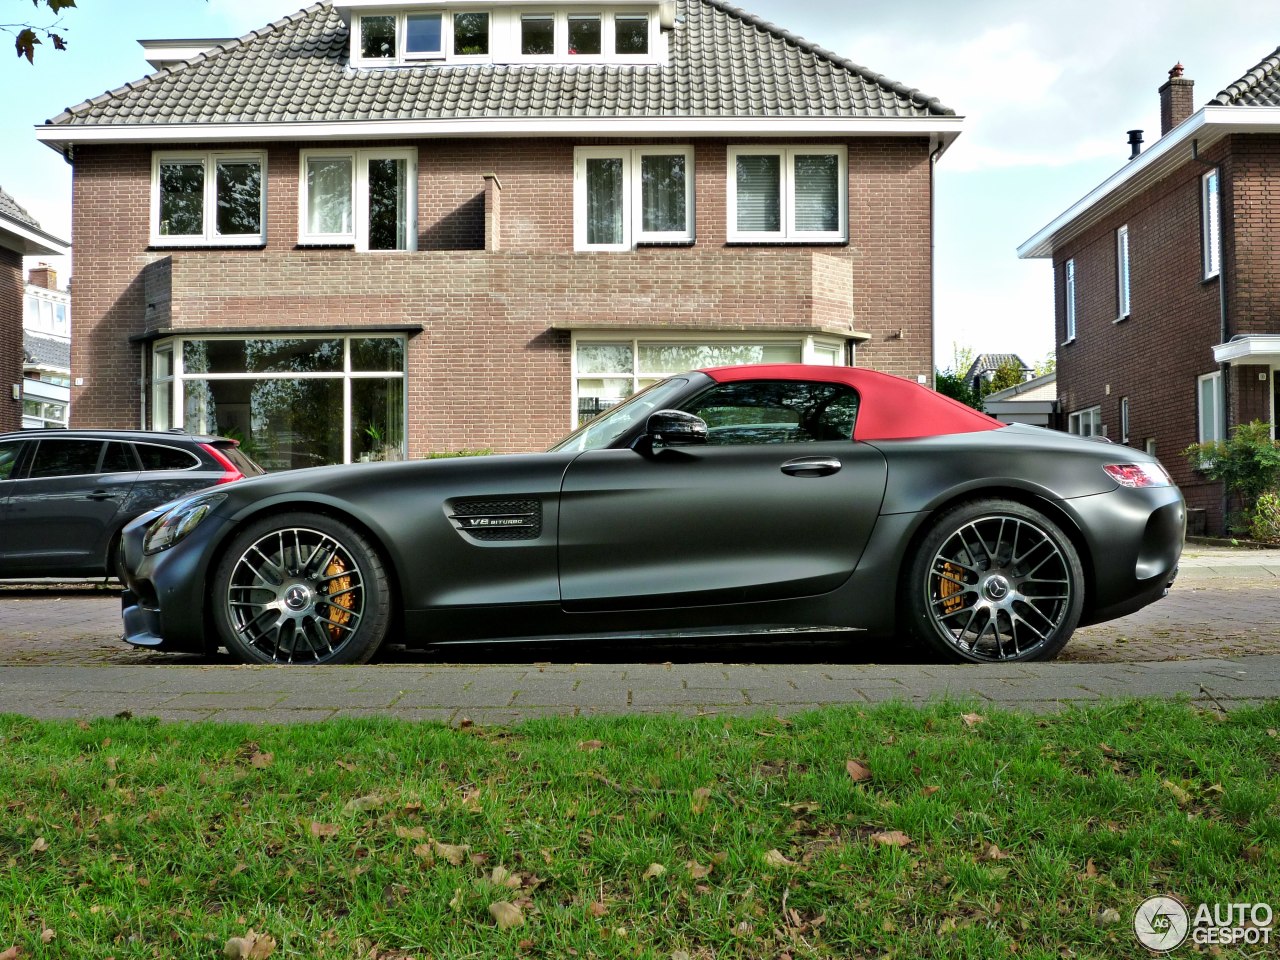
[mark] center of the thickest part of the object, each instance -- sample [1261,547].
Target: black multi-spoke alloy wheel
[995,581]
[301,588]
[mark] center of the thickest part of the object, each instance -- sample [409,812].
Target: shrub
[1248,463]
[1264,524]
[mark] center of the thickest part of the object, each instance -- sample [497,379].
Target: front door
[778,504]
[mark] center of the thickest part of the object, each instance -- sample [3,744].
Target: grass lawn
[954,832]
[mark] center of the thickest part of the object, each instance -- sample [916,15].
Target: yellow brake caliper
[950,588]
[341,604]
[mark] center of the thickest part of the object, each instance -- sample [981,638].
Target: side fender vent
[498,520]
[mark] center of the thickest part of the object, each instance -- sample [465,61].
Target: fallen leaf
[972,719]
[597,909]
[697,871]
[891,838]
[776,859]
[857,771]
[675,955]
[804,809]
[948,925]
[262,760]
[929,791]
[1273,732]
[252,946]
[1108,917]
[363,804]
[992,852]
[1090,868]
[466,723]
[503,877]
[471,800]
[1181,796]
[426,851]
[350,767]
[590,744]
[454,853]
[743,928]
[411,833]
[655,870]
[506,915]
[699,800]
[15,952]
[47,935]
[40,846]
[324,829]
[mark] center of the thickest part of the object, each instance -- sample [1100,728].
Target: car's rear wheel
[301,588]
[995,581]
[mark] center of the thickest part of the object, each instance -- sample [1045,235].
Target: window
[624,196]
[1211,224]
[65,458]
[470,34]
[1086,423]
[378,38]
[631,34]
[290,401]
[156,457]
[537,35]
[777,412]
[608,370]
[585,36]
[1124,419]
[201,199]
[363,198]
[1069,311]
[1122,273]
[423,36]
[1209,407]
[9,450]
[788,194]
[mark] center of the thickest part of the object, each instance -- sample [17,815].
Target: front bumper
[165,604]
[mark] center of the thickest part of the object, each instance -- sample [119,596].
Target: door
[779,503]
[61,511]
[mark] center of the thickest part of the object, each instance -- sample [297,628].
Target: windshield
[614,422]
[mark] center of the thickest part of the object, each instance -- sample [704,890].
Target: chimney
[1175,100]
[43,276]
[1135,143]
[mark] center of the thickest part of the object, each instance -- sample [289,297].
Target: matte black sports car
[725,500]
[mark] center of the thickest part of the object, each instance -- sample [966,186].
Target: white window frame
[811,347]
[177,382]
[1123,293]
[1069,311]
[1091,415]
[1211,222]
[788,233]
[359,235]
[633,186]
[1124,419]
[1210,425]
[210,236]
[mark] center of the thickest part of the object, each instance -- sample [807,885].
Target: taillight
[1138,474]
[230,472]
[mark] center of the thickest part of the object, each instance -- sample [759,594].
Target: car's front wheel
[995,581]
[301,588]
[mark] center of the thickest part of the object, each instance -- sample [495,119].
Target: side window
[118,458]
[65,458]
[777,412]
[9,450]
[155,457]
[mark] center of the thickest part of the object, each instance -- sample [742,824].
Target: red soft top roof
[892,408]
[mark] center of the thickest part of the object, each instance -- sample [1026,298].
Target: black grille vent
[496,520]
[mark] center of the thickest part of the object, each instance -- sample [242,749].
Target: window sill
[1068,342]
[1121,319]
[665,243]
[255,244]
[325,245]
[781,242]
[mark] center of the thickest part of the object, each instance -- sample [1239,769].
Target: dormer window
[442,32]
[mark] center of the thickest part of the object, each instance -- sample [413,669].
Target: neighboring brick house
[1167,283]
[20,236]
[46,350]
[378,228]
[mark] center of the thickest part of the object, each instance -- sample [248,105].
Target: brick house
[20,236]
[1167,283]
[383,228]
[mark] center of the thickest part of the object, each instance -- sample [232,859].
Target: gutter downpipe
[1224,368]
[933,269]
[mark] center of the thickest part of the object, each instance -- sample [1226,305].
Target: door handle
[811,467]
[98,495]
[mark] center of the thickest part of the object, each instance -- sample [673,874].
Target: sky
[1047,91]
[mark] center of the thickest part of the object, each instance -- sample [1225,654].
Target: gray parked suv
[66,494]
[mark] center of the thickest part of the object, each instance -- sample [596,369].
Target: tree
[950,381]
[1008,374]
[27,36]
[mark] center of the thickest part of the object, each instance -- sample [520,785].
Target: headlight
[178,521]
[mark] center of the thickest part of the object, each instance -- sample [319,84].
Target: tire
[301,588]
[994,581]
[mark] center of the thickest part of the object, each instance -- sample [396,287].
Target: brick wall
[1155,356]
[10,338]
[494,337]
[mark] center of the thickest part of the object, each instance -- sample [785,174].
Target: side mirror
[675,428]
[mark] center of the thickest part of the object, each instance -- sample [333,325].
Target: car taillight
[1138,474]
[230,472]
